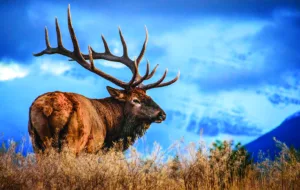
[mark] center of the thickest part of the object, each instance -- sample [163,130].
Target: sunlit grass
[193,167]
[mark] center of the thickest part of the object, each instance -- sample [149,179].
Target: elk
[63,119]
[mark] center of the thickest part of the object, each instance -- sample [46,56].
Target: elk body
[62,119]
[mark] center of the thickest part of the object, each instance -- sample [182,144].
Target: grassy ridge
[220,167]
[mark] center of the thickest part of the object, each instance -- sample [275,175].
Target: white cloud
[112,64]
[210,46]
[53,67]
[11,71]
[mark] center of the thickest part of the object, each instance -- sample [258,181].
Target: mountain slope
[288,132]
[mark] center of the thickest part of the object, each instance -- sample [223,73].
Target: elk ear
[117,94]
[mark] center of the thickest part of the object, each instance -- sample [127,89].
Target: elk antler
[76,55]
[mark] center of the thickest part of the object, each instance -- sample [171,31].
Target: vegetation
[222,166]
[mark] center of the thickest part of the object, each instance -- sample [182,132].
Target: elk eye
[136,101]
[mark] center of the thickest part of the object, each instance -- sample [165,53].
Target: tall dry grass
[191,167]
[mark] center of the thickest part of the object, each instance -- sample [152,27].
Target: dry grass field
[192,167]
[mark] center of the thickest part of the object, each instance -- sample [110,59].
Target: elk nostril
[161,116]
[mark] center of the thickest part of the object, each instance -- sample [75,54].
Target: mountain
[288,132]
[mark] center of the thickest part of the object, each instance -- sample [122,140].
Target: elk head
[137,105]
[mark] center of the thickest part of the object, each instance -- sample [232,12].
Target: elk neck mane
[119,126]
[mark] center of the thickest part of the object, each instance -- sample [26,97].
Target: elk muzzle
[160,117]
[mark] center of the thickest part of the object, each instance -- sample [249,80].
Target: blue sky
[239,62]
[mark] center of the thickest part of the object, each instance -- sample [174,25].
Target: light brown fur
[56,114]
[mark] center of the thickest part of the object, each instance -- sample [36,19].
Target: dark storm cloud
[189,7]
[14,29]
[231,79]
[227,124]
[277,42]
[20,36]
[208,126]
[279,99]
[281,40]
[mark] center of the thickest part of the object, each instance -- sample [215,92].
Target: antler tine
[169,82]
[153,85]
[159,84]
[47,38]
[48,47]
[133,78]
[152,73]
[107,51]
[58,34]
[125,51]
[140,57]
[73,36]
[144,77]
[91,58]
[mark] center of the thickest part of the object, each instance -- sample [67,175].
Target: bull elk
[63,119]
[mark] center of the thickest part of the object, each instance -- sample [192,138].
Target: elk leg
[39,130]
